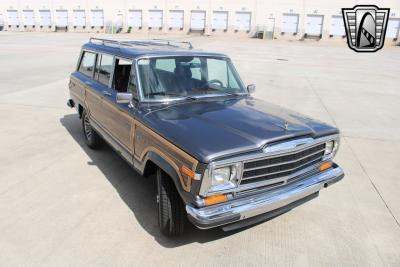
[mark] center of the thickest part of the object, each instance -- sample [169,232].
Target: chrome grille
[274,167]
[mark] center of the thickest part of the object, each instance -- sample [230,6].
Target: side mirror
[251,88]
[124,98]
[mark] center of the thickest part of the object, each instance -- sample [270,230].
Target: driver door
[118,119]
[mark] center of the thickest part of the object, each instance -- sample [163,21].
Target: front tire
[171,211]
[93,139]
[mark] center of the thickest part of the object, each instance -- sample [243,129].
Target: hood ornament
[286,126]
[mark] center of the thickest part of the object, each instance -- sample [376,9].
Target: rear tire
[171,210]
[93,139]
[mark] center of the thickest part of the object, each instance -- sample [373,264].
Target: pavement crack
[372,183]
[354,154]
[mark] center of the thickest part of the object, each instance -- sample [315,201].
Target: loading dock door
[243,21]
[176,19]
[198,20]
[155,18]
[135,18]
[12,17]
[97,17]
[1,21]
[314,24]
[220,20]
[79,18]
[61,18]
[393,28]
[290,23]
[45,17]
[337,26]
[29,18]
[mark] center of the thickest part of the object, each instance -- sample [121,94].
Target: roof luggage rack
[151,42]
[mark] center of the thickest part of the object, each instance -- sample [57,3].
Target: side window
[122,71]
[87,63]
[104,68]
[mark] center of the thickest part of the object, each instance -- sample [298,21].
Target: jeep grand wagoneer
[220,156]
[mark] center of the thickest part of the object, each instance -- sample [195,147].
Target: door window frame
[109,85]
[81,59]
[135,96]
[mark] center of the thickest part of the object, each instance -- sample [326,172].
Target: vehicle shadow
[136,191]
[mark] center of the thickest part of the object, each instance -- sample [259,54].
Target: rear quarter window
[87,63]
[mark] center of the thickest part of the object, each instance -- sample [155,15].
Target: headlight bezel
[331,149]
[232,183]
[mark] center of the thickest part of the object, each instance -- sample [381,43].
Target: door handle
[88,83]
[106,93]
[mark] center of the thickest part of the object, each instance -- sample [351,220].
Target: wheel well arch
[80,110]
[154,161]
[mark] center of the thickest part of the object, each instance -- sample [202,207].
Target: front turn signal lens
[187,171]
[324,166]
[215,199]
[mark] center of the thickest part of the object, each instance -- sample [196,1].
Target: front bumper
[268,203]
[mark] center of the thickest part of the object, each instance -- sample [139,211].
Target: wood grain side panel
[147,140]
[93,102]
[77,90]
[119,124]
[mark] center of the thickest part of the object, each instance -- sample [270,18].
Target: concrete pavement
[62,204]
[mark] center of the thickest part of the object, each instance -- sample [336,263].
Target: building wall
[265,14]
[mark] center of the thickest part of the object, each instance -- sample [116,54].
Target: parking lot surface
[62,204]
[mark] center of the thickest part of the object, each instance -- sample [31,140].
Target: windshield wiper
[171,94]
[234,94]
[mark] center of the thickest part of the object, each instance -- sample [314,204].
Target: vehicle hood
[209,129]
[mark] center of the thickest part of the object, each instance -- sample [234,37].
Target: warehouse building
[289,19]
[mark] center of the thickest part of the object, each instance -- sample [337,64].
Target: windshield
[187,76]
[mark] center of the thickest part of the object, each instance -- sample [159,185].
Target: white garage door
[314,24]
[12,17]
[45,17]
[198,20]
[61,18]
[290,23]
[29,17]
[155,18]
[243,21]
[79,18]
[220,20]
[176,19]
[393,28]
[135,18]
[97,17]
[337,26]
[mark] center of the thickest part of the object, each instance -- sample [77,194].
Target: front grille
[281,166]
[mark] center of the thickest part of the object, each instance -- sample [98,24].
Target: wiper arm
[171,94]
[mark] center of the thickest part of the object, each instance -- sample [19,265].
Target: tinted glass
[87,64]
[182,76]
[104,68]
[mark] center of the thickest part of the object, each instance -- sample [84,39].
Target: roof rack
[151,42]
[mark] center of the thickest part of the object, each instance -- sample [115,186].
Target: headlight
[223,178]
[331,148]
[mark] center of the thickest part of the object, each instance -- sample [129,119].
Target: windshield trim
[146,100]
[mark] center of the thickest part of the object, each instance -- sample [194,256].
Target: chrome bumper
[262,203]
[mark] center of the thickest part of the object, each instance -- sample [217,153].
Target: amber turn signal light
[215,199]
[187,171]
[324,166]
